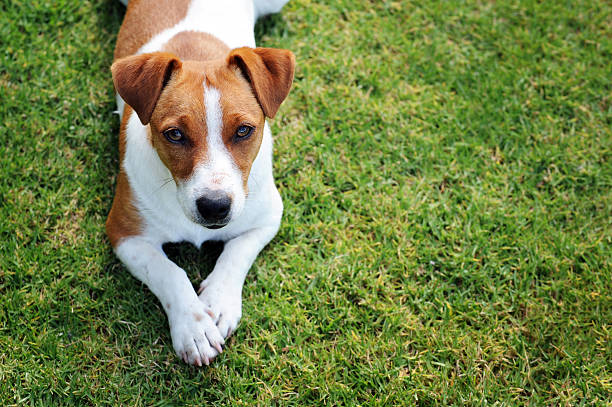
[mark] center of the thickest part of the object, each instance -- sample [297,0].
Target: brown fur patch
[123,219]
[270,72]
[181,106]
[139,79]
[240,107]
[196,46]
[144,19]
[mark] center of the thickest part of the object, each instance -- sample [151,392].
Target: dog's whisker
[165,182]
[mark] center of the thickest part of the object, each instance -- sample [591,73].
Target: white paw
[224,303]
[195,337]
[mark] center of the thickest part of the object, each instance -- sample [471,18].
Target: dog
[193,95]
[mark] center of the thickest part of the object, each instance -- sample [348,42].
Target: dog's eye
[174,135]
[243,132]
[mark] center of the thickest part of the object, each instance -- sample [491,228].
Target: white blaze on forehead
[214,118]
[218,159]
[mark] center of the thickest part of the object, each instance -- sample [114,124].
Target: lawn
[446,169]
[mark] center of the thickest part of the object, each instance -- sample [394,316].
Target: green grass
[446,169]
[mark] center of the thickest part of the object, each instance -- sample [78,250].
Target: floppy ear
[139,80]
[270,72]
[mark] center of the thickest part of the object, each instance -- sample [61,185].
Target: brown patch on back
[198,317]
[196,46]
[123,219]
[146,18]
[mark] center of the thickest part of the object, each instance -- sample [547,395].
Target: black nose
[214,206]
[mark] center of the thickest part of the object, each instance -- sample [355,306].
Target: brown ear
[139,80]
[270,72]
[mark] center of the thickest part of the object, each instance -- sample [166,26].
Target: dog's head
[206,120]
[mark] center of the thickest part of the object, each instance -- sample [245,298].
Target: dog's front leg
[221,291]
[195,336]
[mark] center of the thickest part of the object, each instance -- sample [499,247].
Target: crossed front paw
[223,303]
[195,336]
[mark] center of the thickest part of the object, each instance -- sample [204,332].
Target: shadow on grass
[271,25]
[198,263]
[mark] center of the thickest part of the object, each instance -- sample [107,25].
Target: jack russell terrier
[196,155]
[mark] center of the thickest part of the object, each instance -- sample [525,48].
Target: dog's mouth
[215,226]
[212,224]
[209,223]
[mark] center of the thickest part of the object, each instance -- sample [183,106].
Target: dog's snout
[214,206]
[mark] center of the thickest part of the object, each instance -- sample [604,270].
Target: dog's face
[206,120]
[207,127]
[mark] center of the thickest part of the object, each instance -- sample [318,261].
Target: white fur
[198,326]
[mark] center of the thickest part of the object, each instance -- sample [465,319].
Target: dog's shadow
[272,25]
[197,263]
